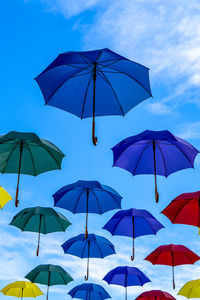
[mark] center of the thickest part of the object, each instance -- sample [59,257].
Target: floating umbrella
[26,153]
[154,152]
[89,291]
[87,197]
[172,255]
[4,197]
[126,276]
[155,295]
[191,289]
[133,223]
[94,83]
[49,275]
[22,289]
[40,219]
[93,246]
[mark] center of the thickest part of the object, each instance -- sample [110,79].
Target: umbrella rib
[145,148]
[83,57]
[34,169]
[100,250]
[43,146]
[182,152]
[89,81]
[26,222]
[11,152]
[162,157]
[84,248]
[116,226]
[97,201]
[180,211]
[112,63]
[81,193]
[112,196]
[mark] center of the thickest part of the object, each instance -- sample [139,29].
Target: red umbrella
[184,209]
[155,295]
[172,255]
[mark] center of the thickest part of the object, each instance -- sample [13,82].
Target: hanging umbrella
[22,289]
[4,197]
[191,289]
[89,291]
[87,197]
[49,275]
[154,152]
[93,246]
[94,83]
[172,255]
[133,223]
[155,295]
[40,219]
[184,209]
[126,276]
[26,153]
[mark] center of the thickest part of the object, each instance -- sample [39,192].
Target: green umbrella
[40,219]
[49,275]
[26,153]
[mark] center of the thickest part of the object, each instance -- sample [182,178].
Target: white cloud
[190,131]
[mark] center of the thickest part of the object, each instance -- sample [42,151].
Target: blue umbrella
[126,276]
[133,223]
[89,291]
[93,246]
[94,83]
[154,152]
[87,197]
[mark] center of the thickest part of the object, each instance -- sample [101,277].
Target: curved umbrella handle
[16,196]
[94,138]
[156,195]
[87,276]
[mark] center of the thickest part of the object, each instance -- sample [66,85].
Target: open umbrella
[22,289]
[154,152]
[89,291]
[155,295]
[49,275]
[172,255]
[4,197]
[87,197]
[126,276]
[40,219]
[26,153]
[133,223]
[94,83]
[191,289]
[94,246]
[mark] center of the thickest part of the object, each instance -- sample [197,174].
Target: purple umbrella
[154,152]
[133,223]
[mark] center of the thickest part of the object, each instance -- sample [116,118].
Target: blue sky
[163,35]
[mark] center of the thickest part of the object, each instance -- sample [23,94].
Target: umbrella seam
[162,157]
[97,201]
[54,159]
[182,152]
[34,169]
[78,199]
[86,92]
[140,157]
[9,156]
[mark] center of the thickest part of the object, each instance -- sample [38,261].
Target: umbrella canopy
[89,291]
[172,255]
[26,153]
[133,223]
[154,152]
[22,289]
[4,197]
[104,82]
[87,197]
[191,289]
[94,246]
[155,295]
[40,219]
[126,276]
[49,275]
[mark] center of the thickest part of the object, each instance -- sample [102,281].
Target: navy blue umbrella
[87,197]
[94,246]
[133,223]
[89,291]
[154,152]
[126,276]
[94,83]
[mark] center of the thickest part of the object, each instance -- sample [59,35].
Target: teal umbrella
[49,275]
[40,219]
[26,153]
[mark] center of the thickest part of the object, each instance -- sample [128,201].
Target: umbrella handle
[133,256]
[38,246]
[19,170]
[94,138]
[156,195]
[88,261]
[16,196]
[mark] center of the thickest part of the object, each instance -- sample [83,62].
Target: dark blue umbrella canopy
[94,246]
[154,152]
[94,83]
[89,291]
[133,223]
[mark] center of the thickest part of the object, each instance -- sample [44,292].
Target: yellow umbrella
[22,289]
[191,289]
[4,197]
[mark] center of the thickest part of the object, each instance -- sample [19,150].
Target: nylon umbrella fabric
[94,246]
[4,197]
[133,223]
[191,289]
[40,219]
[87,197]
[154,152]
[104,82]
[22,289]
[26,153]
[89,291]
[155,295]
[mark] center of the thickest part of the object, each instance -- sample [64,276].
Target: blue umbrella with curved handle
[89,291]
[93,246]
